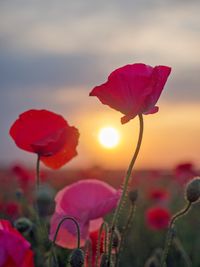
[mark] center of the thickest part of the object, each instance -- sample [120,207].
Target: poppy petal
[67,152]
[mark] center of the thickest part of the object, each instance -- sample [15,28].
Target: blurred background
[52,53]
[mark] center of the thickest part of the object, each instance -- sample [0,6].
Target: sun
[108,137]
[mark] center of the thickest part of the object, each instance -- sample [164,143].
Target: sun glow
[108,137]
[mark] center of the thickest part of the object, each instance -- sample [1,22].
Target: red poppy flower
[47,134]
[157,218]
[159,194]
[15,249]
[87,201]
[133,89]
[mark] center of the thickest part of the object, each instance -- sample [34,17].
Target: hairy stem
[124,231]
[125,186]
[104,227]
[169,236]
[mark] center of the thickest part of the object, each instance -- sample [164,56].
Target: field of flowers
[96,217]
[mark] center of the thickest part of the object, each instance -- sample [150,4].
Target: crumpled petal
[133,89]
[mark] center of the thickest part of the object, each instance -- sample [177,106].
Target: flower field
[158,191]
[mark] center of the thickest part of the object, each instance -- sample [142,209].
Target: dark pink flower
[15,250]
[87,201]
[133,89]
[157,218]
[47,134]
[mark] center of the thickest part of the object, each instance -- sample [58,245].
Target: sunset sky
[52,53]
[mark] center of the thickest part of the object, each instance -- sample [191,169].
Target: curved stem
[182,251]
[170,233]
[77,227]
[125,185]
[57,230]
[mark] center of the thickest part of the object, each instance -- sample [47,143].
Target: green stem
[104,226]
[182,251]
[170,233]
[38,173]
[124,231]
[88,252]
[125,186]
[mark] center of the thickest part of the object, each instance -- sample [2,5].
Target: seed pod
[23,225]
[193,190]
[133,196]
[77,258]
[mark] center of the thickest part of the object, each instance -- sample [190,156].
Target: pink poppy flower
[47,134]
[157,218]
[133,89]
[87,201]
[15,249]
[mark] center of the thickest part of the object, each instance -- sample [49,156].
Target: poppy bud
[133,196]
[77,258]
[23,225]
[116,239]
[193,190]
[19,194]
[104,260]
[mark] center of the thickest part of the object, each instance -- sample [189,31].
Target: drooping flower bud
[23,225]
[133,196]
[193,190]
[77,258]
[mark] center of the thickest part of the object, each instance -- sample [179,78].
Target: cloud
[53,52]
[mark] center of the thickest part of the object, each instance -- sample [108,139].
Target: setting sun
[108,137]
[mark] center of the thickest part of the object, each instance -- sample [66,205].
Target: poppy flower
[157,218]
[46,134]
[133,89]
[184,172]
[15,249]
[159,194]
[87,201]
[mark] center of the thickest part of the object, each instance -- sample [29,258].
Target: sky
[52,53]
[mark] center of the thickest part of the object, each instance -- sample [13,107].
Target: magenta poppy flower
[88,201]
[133,89]
[46,134]
[15,249]
[157,218]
